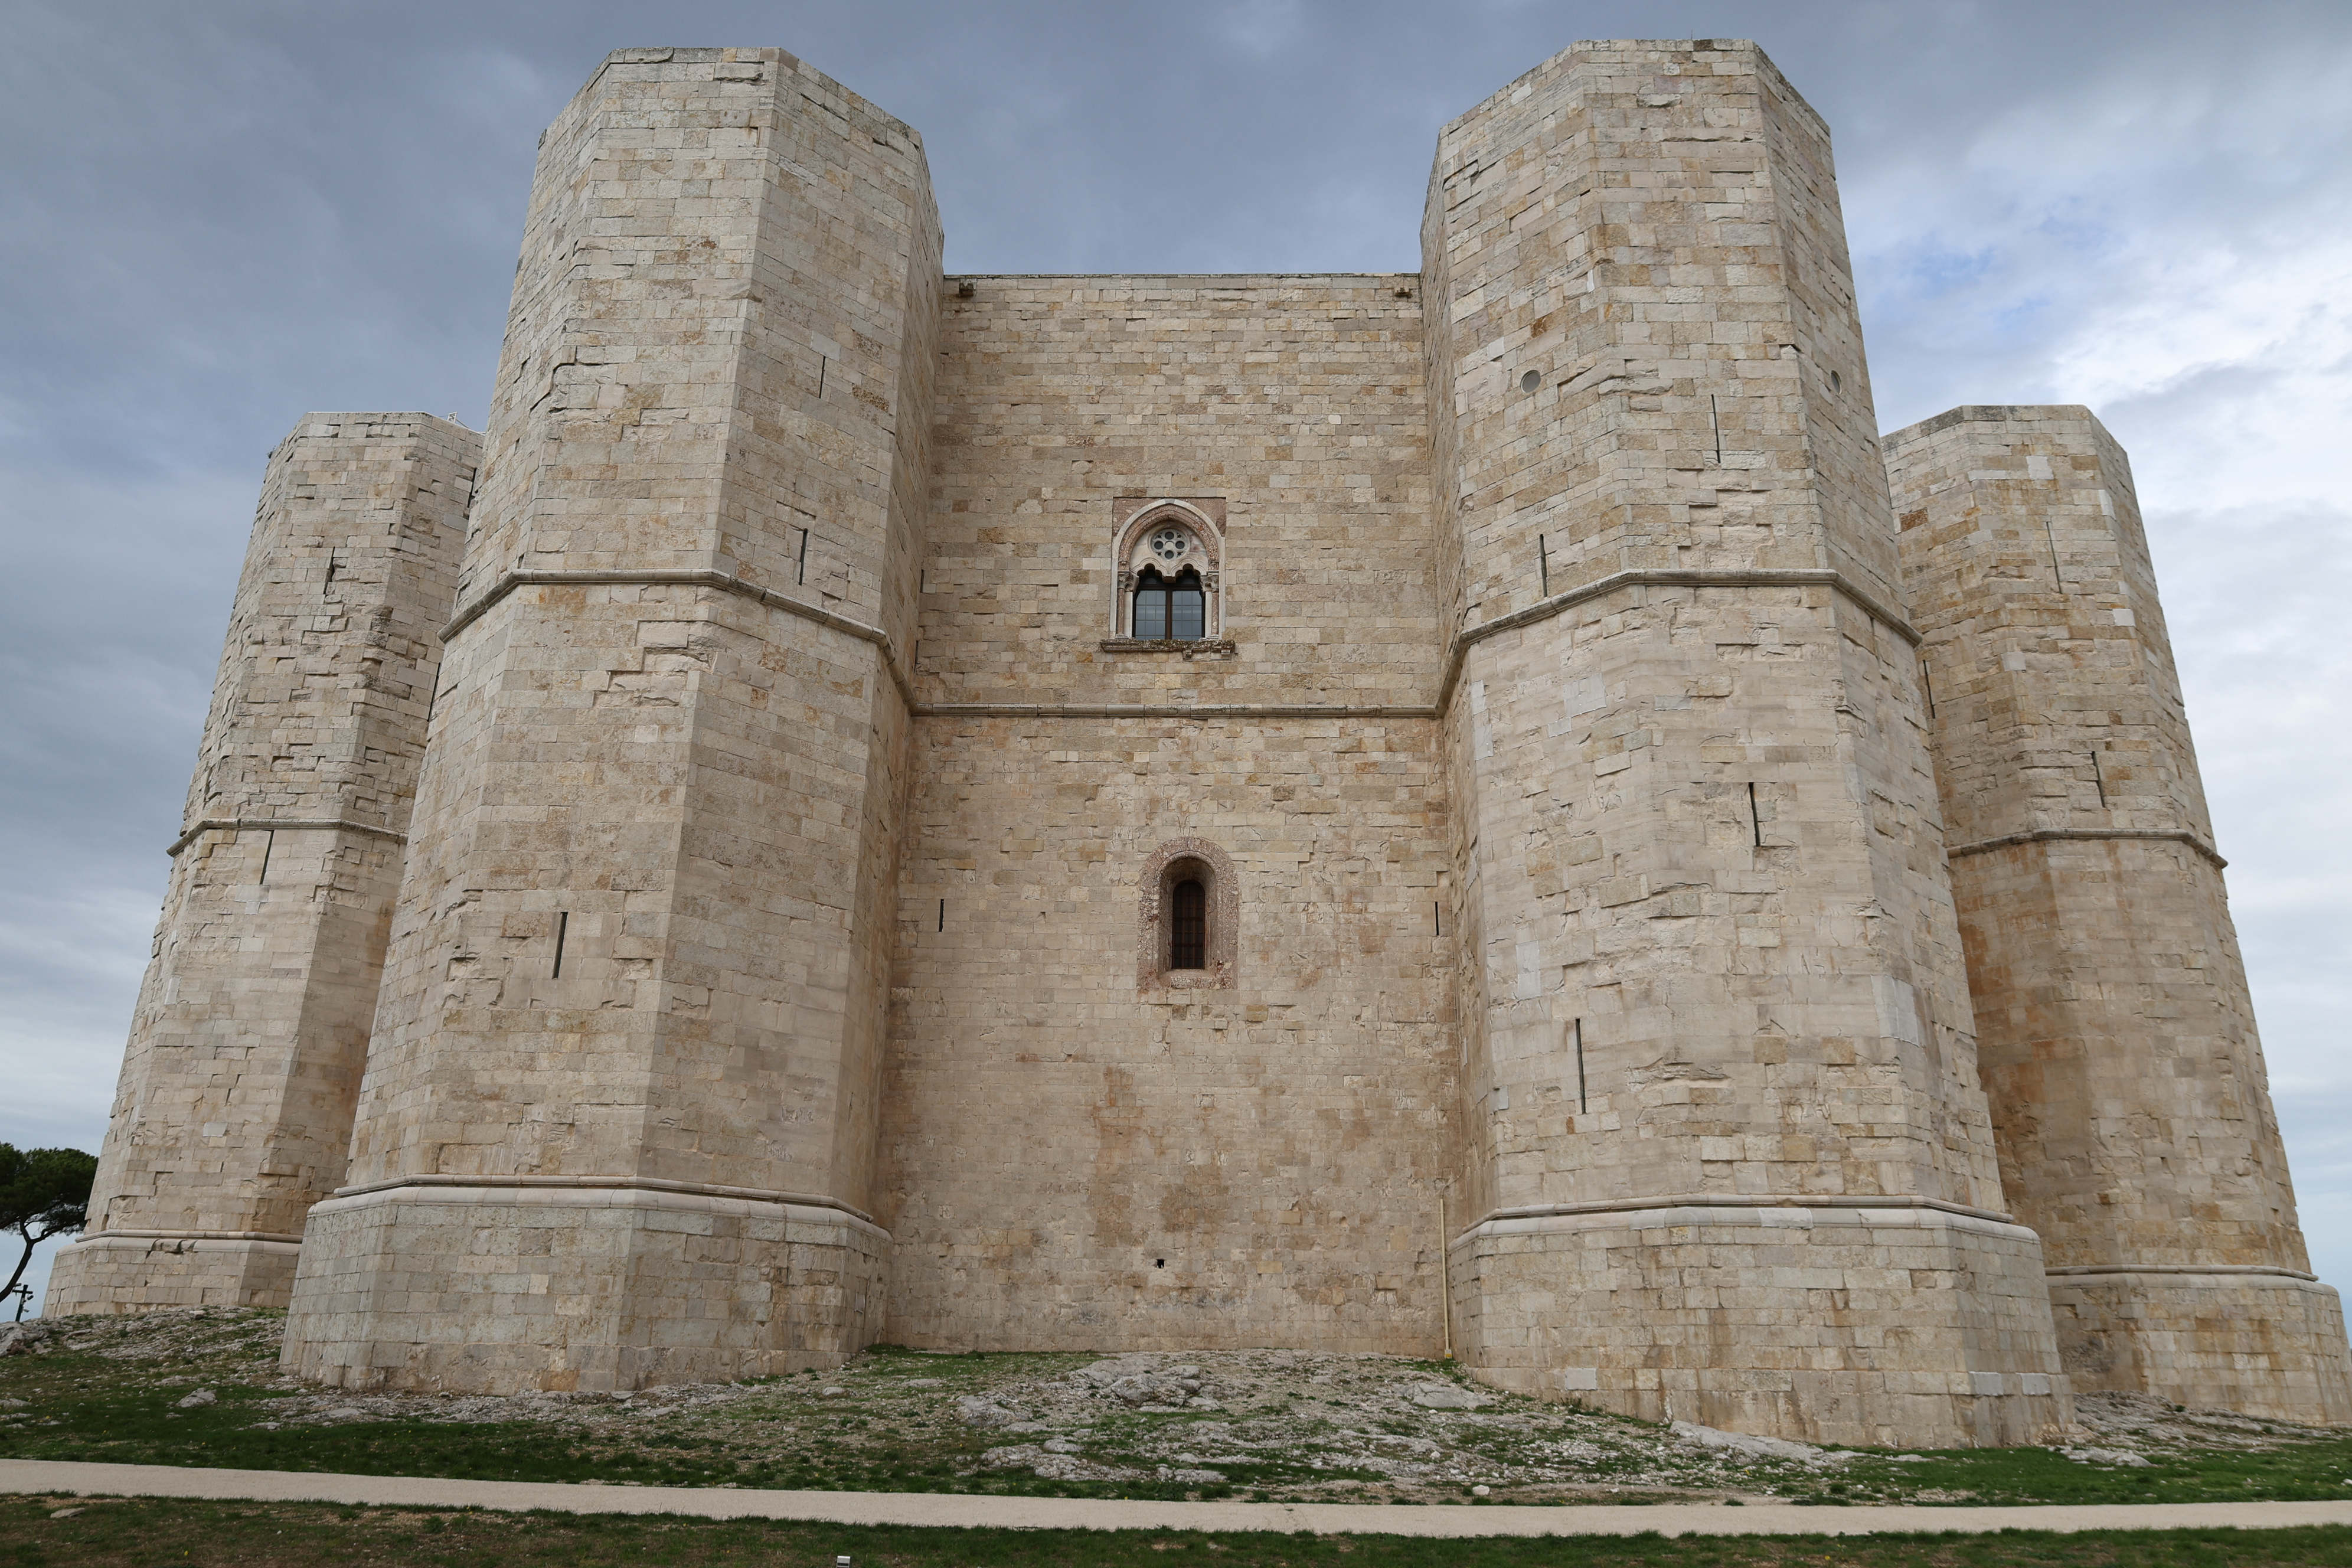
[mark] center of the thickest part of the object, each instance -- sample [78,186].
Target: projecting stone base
[2266,1343]
[558,1284]
[1908,1326]
[147,1271]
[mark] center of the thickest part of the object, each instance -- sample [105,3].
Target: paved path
[1088,1513]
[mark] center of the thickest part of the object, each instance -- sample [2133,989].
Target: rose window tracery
[1167,578]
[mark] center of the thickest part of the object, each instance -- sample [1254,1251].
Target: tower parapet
[2116,1032]
[234,1109]
[1728,1160]
[619,1123]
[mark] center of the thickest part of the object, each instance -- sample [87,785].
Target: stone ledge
[633,1192]
[1192,648]
[287,824]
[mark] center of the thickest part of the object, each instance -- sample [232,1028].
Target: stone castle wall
[2135,1126]
[781,958]
[234,1114]
[1721,1012]
[1257,1162]
[639,951]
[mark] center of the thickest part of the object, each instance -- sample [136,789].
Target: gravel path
[50,1477]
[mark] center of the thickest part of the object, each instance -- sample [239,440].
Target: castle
[1396,813]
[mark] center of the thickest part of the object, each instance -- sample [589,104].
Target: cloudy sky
[216,217]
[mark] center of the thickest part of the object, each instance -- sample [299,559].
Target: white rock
[1151,1388]
[1447,1397]
[201,1396]
[2123,1457]
[978,1412]
[1744,1443]
[1188,1477]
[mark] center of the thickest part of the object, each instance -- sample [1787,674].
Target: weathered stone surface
[1518,919]
[618,1125]
[1252,1155]
[2134,1112]
[234,1109]
[1725,1140]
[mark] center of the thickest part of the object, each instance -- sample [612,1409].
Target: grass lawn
[140,1534]
[202,1387]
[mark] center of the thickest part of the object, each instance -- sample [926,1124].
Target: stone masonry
[2130,1102]
[1723,1140]
[234,1109]
[618,1123]
[1257,1159]
[788,951]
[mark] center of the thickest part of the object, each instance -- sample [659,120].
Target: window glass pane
[1187,935]
[1152,612]
[1188,612]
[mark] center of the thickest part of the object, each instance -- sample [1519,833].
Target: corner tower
[234,1109]
[1728,1160]
[618,1123]
[2118,1044]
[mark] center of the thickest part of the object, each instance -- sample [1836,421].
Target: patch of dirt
[1271,1424]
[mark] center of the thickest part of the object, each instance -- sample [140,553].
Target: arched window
[1192,914]
[1187,934]
[1169,609]
[1169,554]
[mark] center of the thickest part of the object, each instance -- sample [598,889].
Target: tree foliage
[43,1193]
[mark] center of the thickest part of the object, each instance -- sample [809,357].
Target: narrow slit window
[1188,937]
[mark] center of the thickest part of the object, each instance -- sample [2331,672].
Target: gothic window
[1168,554]
[1188,936]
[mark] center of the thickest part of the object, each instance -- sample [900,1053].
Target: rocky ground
[1270,1424]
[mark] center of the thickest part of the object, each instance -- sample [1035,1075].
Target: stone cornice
[284,825]
[272,1237]
[2094,1271]
[2058,834]
[725,582]
[1740,1201]
[1166,710]
[1616,581]
[624,1183]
